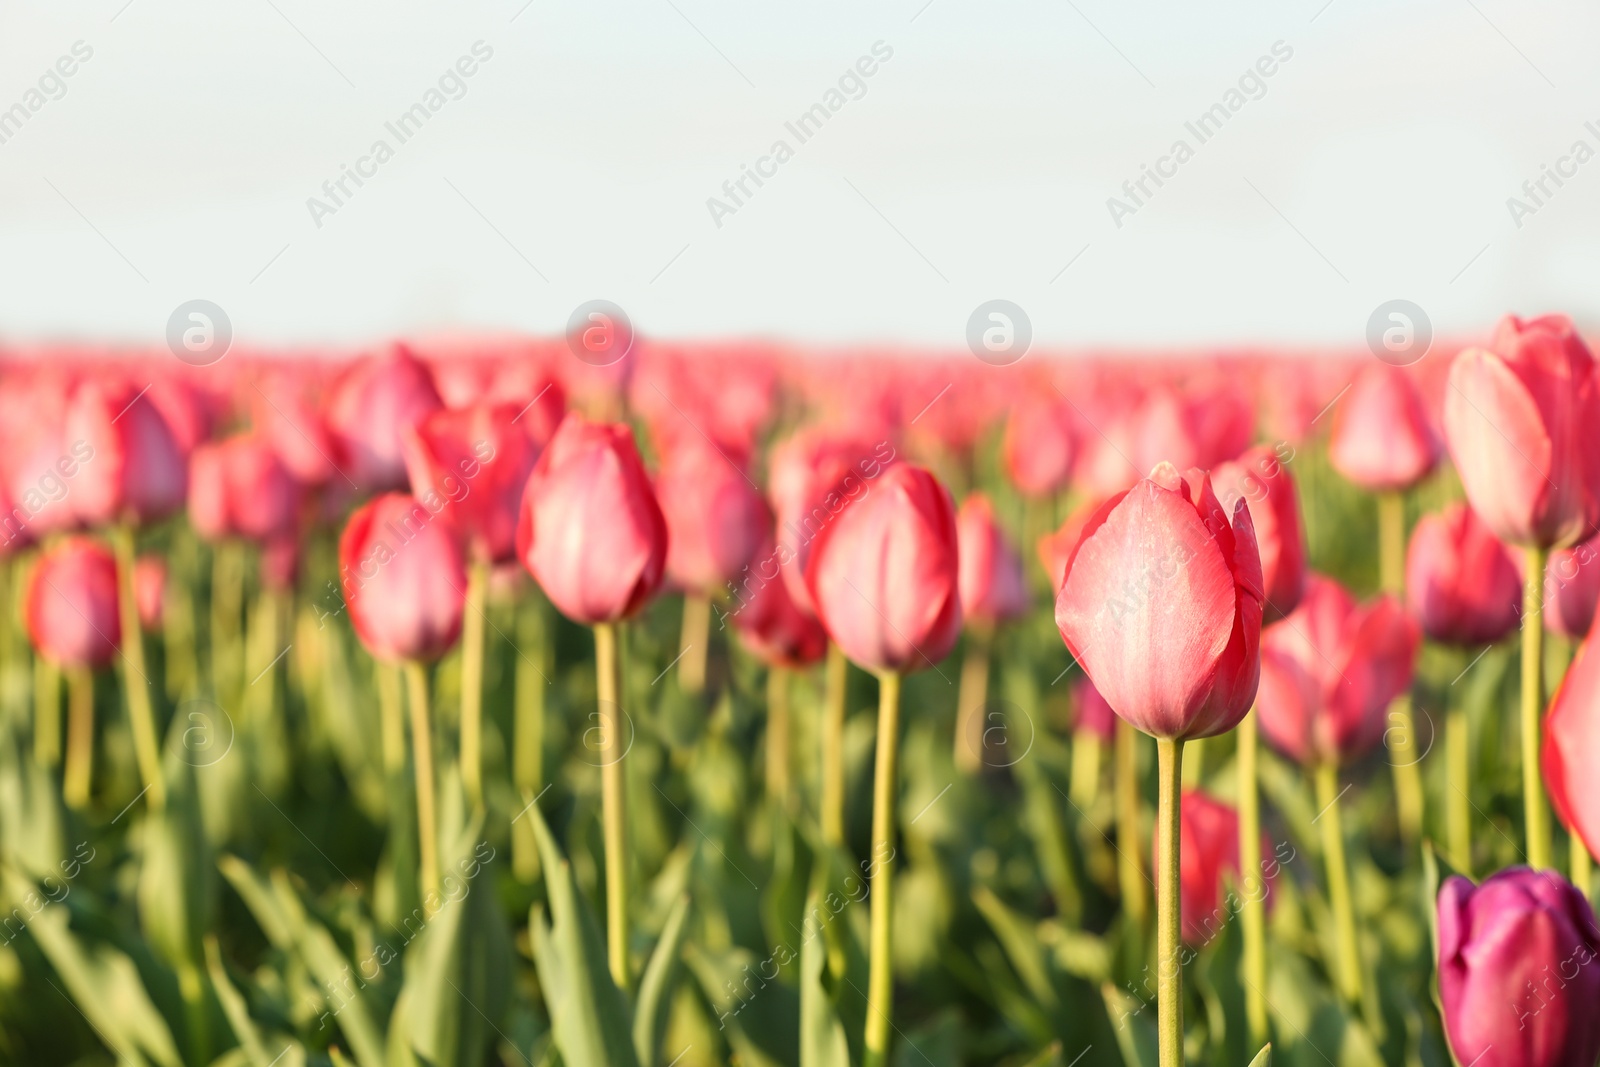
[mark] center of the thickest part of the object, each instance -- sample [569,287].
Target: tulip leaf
[588,1013]
[657,985]
[1264,1057]
[177,879]
[1021,944]
[759,1014]
[823,1041]
[1135,1026]
[253,1048]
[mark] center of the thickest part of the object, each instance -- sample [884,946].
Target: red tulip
[716,518]
[1329,671]
[1572,745]
[1523,421]
[1518,980]
[240,488]
[590,530]
[1572,588]
[539,398]
[1162,606]
[1055,549]
[404,578]
[370,408]
[1461,584]
[150,590]
[769,623]
[1382,439]
[991,582]
[1190,428]
[1262,480]
[474,463]
[138,471]
[39,461]
[884,573]
[286,417]
[1039,446]
[71,605]
[1092,713]
[1209,853]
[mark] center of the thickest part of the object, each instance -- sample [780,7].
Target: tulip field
[475,700]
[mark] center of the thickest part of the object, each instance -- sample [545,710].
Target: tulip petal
[1499,443]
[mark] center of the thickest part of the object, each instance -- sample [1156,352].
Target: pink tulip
[70,606]
[150,590]
[138,470]
[1382,439]
[1091,712]
[716,518]
[1329,671]
[1056,548]
[1572,588]
[770,626]
[1259,478]
[1461,584]
[1523,421]
[1209,856]
[404,578]
[590,530]
[475,463]
[240,488]
[1039,446]
[369,410]
[883,573]
[1162,606]
[992,587]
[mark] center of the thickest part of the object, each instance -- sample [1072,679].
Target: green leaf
[1021,944]
[823,1041]
[177,879]
[1264,1057]
[588,1014]
[1134,1021]
[655,988]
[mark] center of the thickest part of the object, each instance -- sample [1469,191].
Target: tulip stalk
[135,681]
[46,712]
[613,800]
[1085,769]
[527,761]
[422,750]
[973,689]
[833,709]
[472,640]
[75,778]
[1403,750]
[1536,812]
[1458,801]
[1169,917]
[693,639]
[1130,877]
[1252,908]
[880,976]
[1348,973]
[778,738]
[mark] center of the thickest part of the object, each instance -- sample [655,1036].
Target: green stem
[1252,912]
[1085,782]
[75,781]
[135,681]
[1458,789]
[527,761]
[832,803]
[1344,918]
[880,974]
[778,738]
[46,712]
[472,638]
[427,820]
[1403,749]
[1536,813]
[1169,905]
[1130,875]
[973,689]
[693,639]
[227,607]
[613,801]
[393,722]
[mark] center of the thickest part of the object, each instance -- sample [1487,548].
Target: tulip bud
[1572,744]
[1572,588]
[991,582]
[1039,447]
[1461,584]
[1057,547]
[138,471]
[473,464]
[240,488]
[884,573]
[770,625]
[813,475]
[71,604]
[150,590]
[1261,480]
[368,410]
[716,518]
[1208,854]
[1162,606]
[1091,712]
[1329,670]
[589,528]
[1518,974]
[1382,439]
[404,578]
[1522,419]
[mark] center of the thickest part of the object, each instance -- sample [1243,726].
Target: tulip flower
[286,416]
[716,519]
[1521,419]
[73,619]
[1210,855]
[150,590]
[1056,548]
[1518,976]
[240,488]
[403,574]
[1382,439]
[368,411]
[993,591]
[1162,606]
[1571,747]
[592,535]
[885,581]
[1572,589]
[1328,672]
[472,465]
[1039,446]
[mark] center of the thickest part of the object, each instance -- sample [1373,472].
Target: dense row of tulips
[214,534]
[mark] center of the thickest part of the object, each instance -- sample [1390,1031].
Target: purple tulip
[1519,971]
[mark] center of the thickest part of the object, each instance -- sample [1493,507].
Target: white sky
[588,145]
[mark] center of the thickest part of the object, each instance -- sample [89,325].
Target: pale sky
[974,163]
